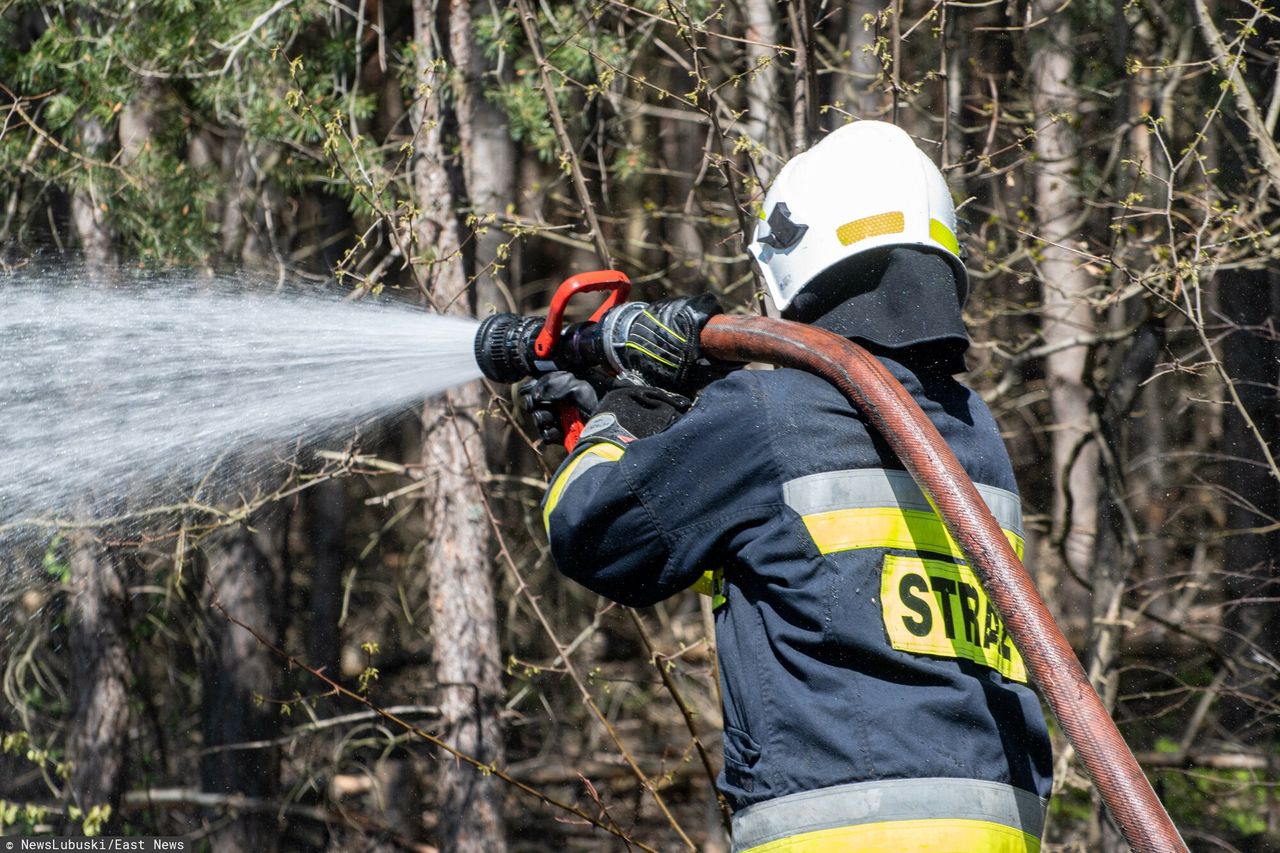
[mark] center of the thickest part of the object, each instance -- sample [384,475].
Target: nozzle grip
[586,282]
[571,424]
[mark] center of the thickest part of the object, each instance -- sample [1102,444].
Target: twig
[151,797]
[726,816]
[568,157]
[407,726]
[327,723]
[523,587]
[1266,145]
[236,44]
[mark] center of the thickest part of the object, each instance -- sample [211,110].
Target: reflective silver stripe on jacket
[877,487]
[888,800]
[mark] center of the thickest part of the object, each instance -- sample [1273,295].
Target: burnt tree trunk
[327,519]
[1250,300]
[245,577]
[464,630]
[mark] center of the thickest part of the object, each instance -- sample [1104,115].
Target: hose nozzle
[504,347]
[507,348]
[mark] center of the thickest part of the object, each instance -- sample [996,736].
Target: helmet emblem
[783,233]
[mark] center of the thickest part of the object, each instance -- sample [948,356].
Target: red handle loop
[581,283]
[571,424]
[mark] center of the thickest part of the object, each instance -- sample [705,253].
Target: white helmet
[863,187]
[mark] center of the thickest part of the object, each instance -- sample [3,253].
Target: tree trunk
[1066,314]
[764,101]
[98,637]
[1250,300]
[1065,311]
[245,576]
[1115,551]
[866,100]
[89,208]
[97,627]
[327,518]
[464,631]
[489,159]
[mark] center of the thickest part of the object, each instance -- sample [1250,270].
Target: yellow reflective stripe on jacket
[586,460]
[887,527]
[956,815]
[920,836]
[884,508]
[711,584]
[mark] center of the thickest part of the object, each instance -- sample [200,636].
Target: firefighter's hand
[662,345]
[543,397]
[643,411]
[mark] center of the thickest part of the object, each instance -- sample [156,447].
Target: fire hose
[510,347]
[895,414]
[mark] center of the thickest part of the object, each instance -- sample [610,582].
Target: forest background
[374,651]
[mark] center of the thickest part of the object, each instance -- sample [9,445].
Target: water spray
[181,388]
[510,347]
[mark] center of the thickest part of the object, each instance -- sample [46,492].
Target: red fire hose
[1063,683]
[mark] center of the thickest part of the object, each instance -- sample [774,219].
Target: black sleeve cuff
[643,411]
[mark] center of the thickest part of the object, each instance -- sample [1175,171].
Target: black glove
[542,398]
[662,345]
[643,411]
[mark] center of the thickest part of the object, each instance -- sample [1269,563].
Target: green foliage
[1229,801]
[24,817]
[56,566]
[584,61]
[190,66]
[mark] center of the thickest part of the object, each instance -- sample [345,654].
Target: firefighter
[872,699]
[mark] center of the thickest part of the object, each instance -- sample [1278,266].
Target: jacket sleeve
[638,520]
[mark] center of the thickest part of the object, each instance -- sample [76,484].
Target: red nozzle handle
[581,283]
[570,424]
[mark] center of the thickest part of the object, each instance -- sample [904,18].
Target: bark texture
[1065,310]
[866,99]
[97,627]
[89,208]
[764,90]
[489,159]
[245,576]
[464,633]
[327,517]
[98,631]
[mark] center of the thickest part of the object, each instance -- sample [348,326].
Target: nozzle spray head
[504,347]
[510,347]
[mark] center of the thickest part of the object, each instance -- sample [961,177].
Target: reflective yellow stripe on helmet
[942,234]
[920,836]
[871,226]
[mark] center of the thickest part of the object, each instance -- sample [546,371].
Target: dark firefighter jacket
[867,682]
